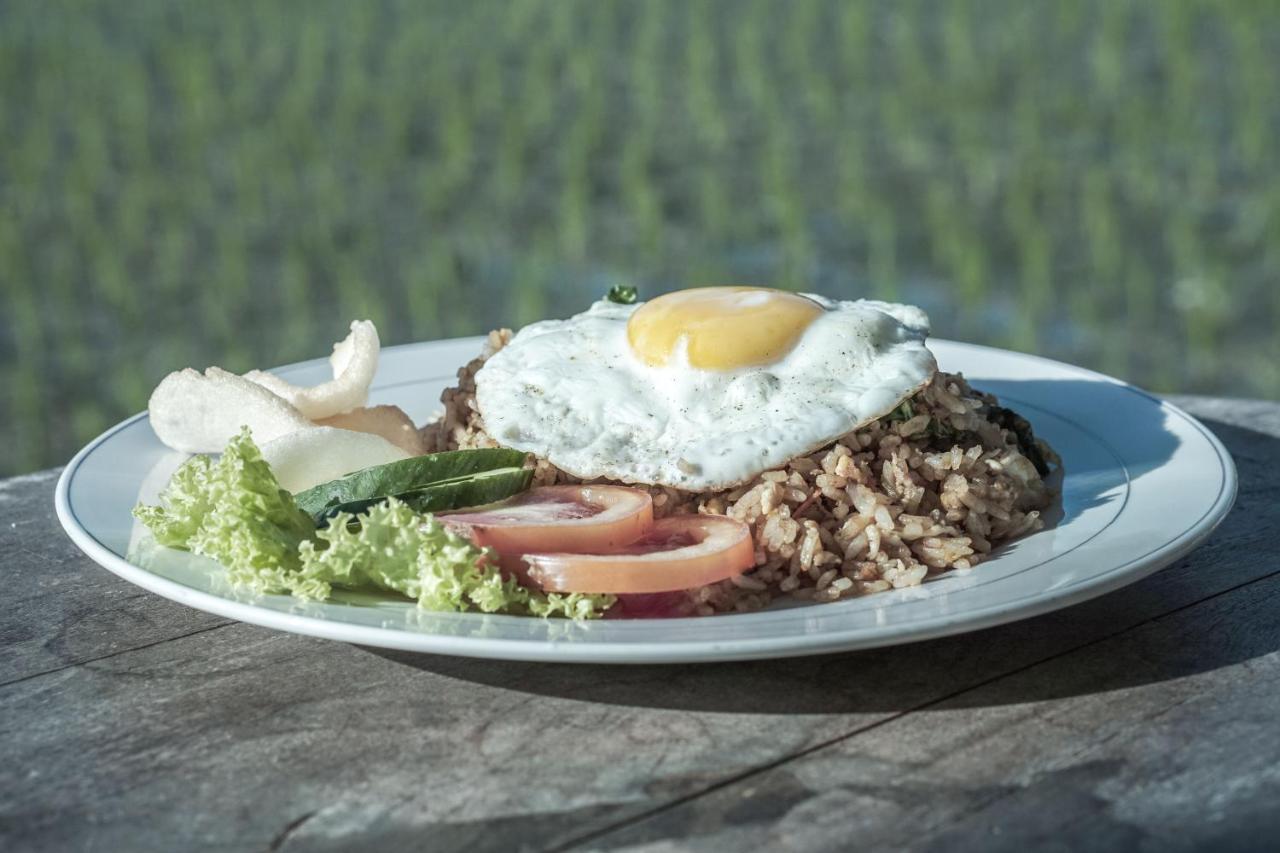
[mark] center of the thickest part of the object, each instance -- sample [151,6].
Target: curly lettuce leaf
[234,511]
[183,504]
[574,605]
[391,547]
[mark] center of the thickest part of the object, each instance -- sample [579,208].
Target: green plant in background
[193,183]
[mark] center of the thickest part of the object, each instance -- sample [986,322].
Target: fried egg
[701,389]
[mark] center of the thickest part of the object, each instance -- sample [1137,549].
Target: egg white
[573,392]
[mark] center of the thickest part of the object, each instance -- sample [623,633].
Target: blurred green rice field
[191,183]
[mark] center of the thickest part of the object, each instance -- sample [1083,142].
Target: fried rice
[932,487]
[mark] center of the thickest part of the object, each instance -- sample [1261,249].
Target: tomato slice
[680,552]
[586,519]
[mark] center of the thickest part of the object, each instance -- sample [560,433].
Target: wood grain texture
[1069,754]
[1142,718]
[61,608]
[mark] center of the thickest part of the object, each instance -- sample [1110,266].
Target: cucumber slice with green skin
[485,488]
[405,475]
[461,492]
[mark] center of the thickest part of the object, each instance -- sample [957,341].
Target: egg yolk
[723,328]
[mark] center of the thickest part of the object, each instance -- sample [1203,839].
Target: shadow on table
[1143,634]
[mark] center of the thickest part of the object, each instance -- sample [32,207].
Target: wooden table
[1148,718]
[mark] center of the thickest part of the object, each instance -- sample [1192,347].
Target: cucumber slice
[457,493]
[370,485]
[478,490]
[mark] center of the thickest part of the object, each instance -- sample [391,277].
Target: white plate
[1144,484]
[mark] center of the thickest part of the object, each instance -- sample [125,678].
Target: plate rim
[649,652]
